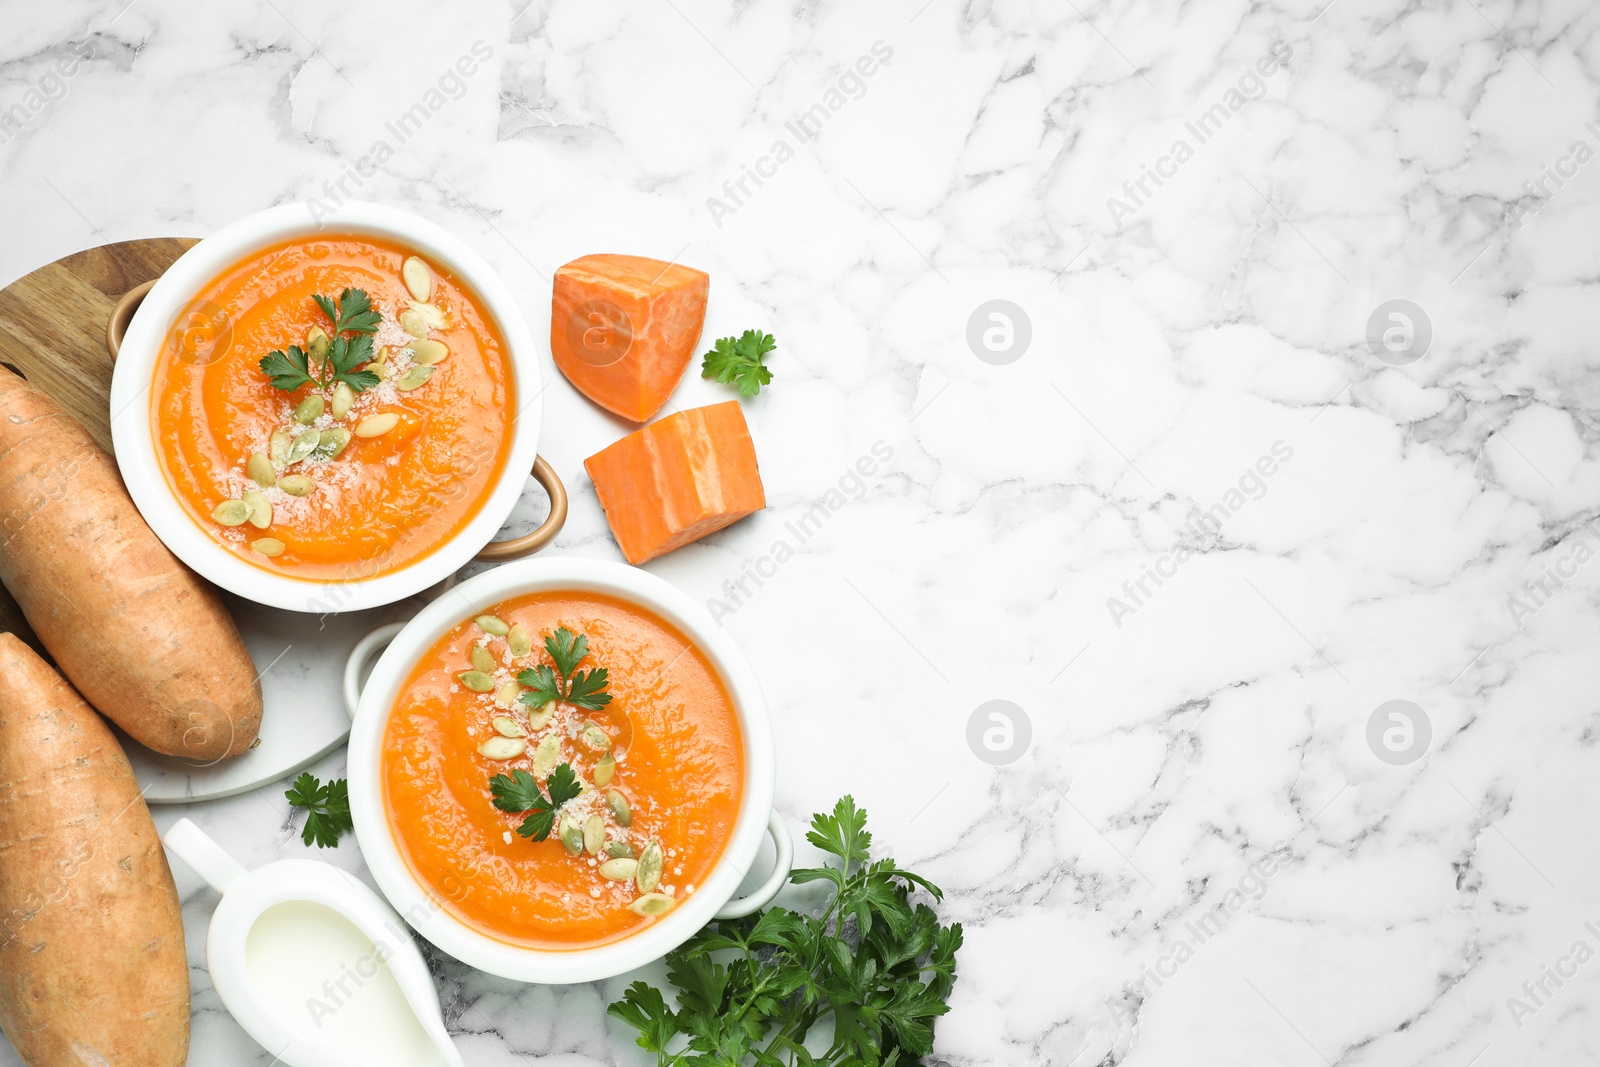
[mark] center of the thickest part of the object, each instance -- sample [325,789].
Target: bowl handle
[122,314]
[528,544]
[762,895]
[365,651]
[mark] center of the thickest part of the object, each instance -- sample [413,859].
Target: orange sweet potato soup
[562,770]
[334,408]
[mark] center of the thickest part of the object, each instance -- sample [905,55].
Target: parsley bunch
[749,990]
[584,689]
[520,792]
[327,808]
[353,315]
[739,360]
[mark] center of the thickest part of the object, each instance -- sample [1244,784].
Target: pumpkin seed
[482,660]
[432,315]
[304,445]
[651,904]
[546,755]
[231,512]
[344,398]
[309,410]
[278,448]
[318,342]
[619,850]
[594,834]
[619,807]
[502,748]
[428,352]
[519,640]
[260,470]
[415,378]
[539,719]
[477,681]
[571,835]
[260,509]
[332,442]
[604,770]
[507,694]
[620,869]
[380,368]
[268,546]
[492,624]
[649,874]
[297,485]
[593,736]
[506,726]
[412,323]
[419,283]
[377,425]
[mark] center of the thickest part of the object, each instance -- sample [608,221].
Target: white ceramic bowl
[715,898]
[175,293]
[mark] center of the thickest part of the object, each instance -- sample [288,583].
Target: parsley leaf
[566,649]
[643,1008]
[584,689]
[516,793]
[739,360]
[520,793]
[288,370]
[843,834]
[327,809]
[542,686]
[874,971]
[344,356]
[563,785]
[588,689]
[355,312]
[327,306]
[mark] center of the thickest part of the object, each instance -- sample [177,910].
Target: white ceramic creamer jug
[314,965]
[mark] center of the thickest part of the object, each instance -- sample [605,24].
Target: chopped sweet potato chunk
[624,328]
[677,480]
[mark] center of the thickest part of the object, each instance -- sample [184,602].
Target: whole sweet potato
[142,637]
[92,967]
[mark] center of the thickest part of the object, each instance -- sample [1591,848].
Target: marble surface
[1196,838]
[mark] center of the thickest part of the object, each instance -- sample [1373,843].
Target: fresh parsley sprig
[353,315]
[584,689]
[739,360]
[520,793]
[749,990]
[327,809]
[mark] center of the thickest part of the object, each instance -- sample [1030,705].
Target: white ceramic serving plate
[712,899]
[172,300]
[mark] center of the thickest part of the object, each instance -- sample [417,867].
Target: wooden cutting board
[53,333]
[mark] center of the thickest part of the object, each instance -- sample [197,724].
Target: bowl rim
[177,288]
[382,853]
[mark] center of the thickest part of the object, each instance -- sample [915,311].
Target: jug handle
[191,844]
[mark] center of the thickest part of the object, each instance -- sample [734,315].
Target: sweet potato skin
[92,964]
[143,638]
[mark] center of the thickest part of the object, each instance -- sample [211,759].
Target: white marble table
[1195,855]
